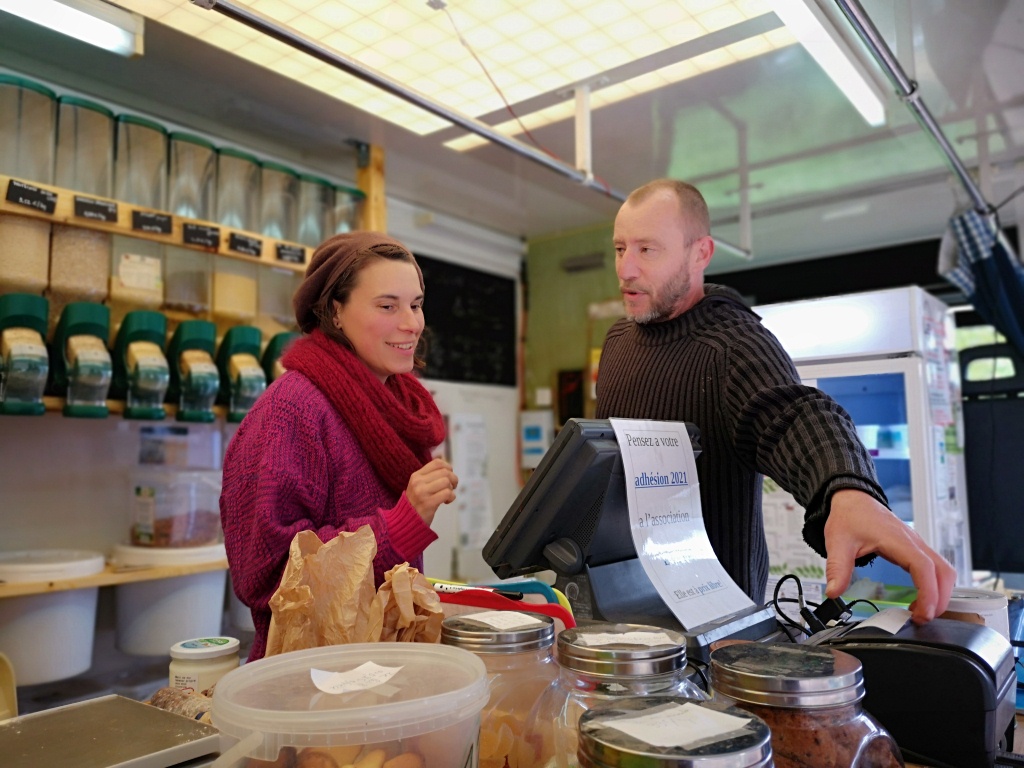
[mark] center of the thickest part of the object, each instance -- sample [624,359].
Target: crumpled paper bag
[409,607]
[327,597]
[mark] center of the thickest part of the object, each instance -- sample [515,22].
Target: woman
[344,438]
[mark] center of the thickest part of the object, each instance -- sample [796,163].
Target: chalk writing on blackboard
[470,317]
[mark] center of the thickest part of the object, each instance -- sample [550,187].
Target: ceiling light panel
[529,48]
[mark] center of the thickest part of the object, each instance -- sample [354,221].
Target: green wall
[557,327]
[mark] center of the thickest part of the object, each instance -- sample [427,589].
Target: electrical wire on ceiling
[441,5]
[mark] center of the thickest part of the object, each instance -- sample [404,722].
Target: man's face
[660,275]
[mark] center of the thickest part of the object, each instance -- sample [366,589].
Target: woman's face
[383,318]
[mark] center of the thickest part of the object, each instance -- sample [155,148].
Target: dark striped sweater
[718,367]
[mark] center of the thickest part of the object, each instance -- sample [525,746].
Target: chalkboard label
[200,234]
[147,221]
[20,193]
[471,322]
[97,210]
[250,246]
[293,254]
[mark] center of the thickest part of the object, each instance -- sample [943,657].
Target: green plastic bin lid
[279,168]
[31,85]
[24,310]
[144,122]
[74,101]
[239,339]
[85,318]
[142,325]
[194,334]
[352,191]
[232,152]
[315,180]
[191,138]
[277,346]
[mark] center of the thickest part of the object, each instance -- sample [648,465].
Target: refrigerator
[888,358]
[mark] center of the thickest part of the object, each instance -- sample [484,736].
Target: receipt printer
[944,690]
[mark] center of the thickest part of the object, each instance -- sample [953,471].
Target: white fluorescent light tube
[814,31]
[91,21]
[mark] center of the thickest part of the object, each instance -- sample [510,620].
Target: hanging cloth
[977,258]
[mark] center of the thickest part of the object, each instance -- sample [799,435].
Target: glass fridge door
[889,402]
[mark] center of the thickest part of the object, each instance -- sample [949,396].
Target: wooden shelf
[58,206]
[110,576]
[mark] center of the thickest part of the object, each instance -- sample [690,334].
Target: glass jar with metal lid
[811,699]
[672,732]
[603,662]
[516,648]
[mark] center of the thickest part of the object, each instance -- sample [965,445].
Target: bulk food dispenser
[242,379]
[25,363]
[276,347]
[81,367]
[194,381]
[141,373]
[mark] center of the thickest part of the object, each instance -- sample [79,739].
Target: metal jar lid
[672,732]
[499,631]
[787,675]
[621,650]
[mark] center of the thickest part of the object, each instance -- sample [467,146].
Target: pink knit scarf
[396,423]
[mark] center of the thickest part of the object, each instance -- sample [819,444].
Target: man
[687,351]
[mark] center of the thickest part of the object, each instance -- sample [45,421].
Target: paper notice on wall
[667,525]
[467,435]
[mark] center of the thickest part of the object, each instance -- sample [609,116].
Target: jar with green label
[197,665]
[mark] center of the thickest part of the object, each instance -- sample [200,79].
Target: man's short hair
[692,205]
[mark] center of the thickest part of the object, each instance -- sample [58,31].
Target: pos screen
[572,511]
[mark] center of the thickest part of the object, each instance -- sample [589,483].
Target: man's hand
[858,525]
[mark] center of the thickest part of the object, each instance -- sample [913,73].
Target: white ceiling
[822,181]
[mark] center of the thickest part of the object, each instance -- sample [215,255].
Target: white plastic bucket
[154,615]
[49,636]
[990,606]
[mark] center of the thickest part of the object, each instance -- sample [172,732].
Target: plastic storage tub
[353,700]
[49,636]
[28,123]
[85,147]
[238,189]
[140,165]
[192,177]
[154,615]
[348,203]
[316,210]
[279,192]
[175,508]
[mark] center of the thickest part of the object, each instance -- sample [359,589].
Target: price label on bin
[362,678]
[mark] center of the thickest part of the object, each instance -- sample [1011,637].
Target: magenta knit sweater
[293,466]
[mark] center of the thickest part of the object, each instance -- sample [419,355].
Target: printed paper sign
[667,525]
[362,678]
[679,725]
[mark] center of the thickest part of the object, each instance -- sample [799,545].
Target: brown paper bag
[408,607]
[326,595]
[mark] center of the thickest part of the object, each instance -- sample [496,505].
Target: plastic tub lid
[191,138]
[205,648]
[308,177]
[74,101]
[971,599]
[23,83]
[49,564]
[279,168]
[434,687]
[144,122]
[232,152]
[350,191]
[126,554]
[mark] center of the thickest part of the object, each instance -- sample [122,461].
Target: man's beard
[664,302]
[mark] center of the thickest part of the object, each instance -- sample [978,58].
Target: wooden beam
[370,179]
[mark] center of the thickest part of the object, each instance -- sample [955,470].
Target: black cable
[916,757]
[785,629]
[703,677]
[864,600]
[1013,194]
[783,616]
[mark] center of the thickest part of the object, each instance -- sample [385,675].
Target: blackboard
[470,317]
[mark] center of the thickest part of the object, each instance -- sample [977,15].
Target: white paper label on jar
[142,272]
[506,619]
[649,639]
[678,725]
[362,678]
[890,620]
